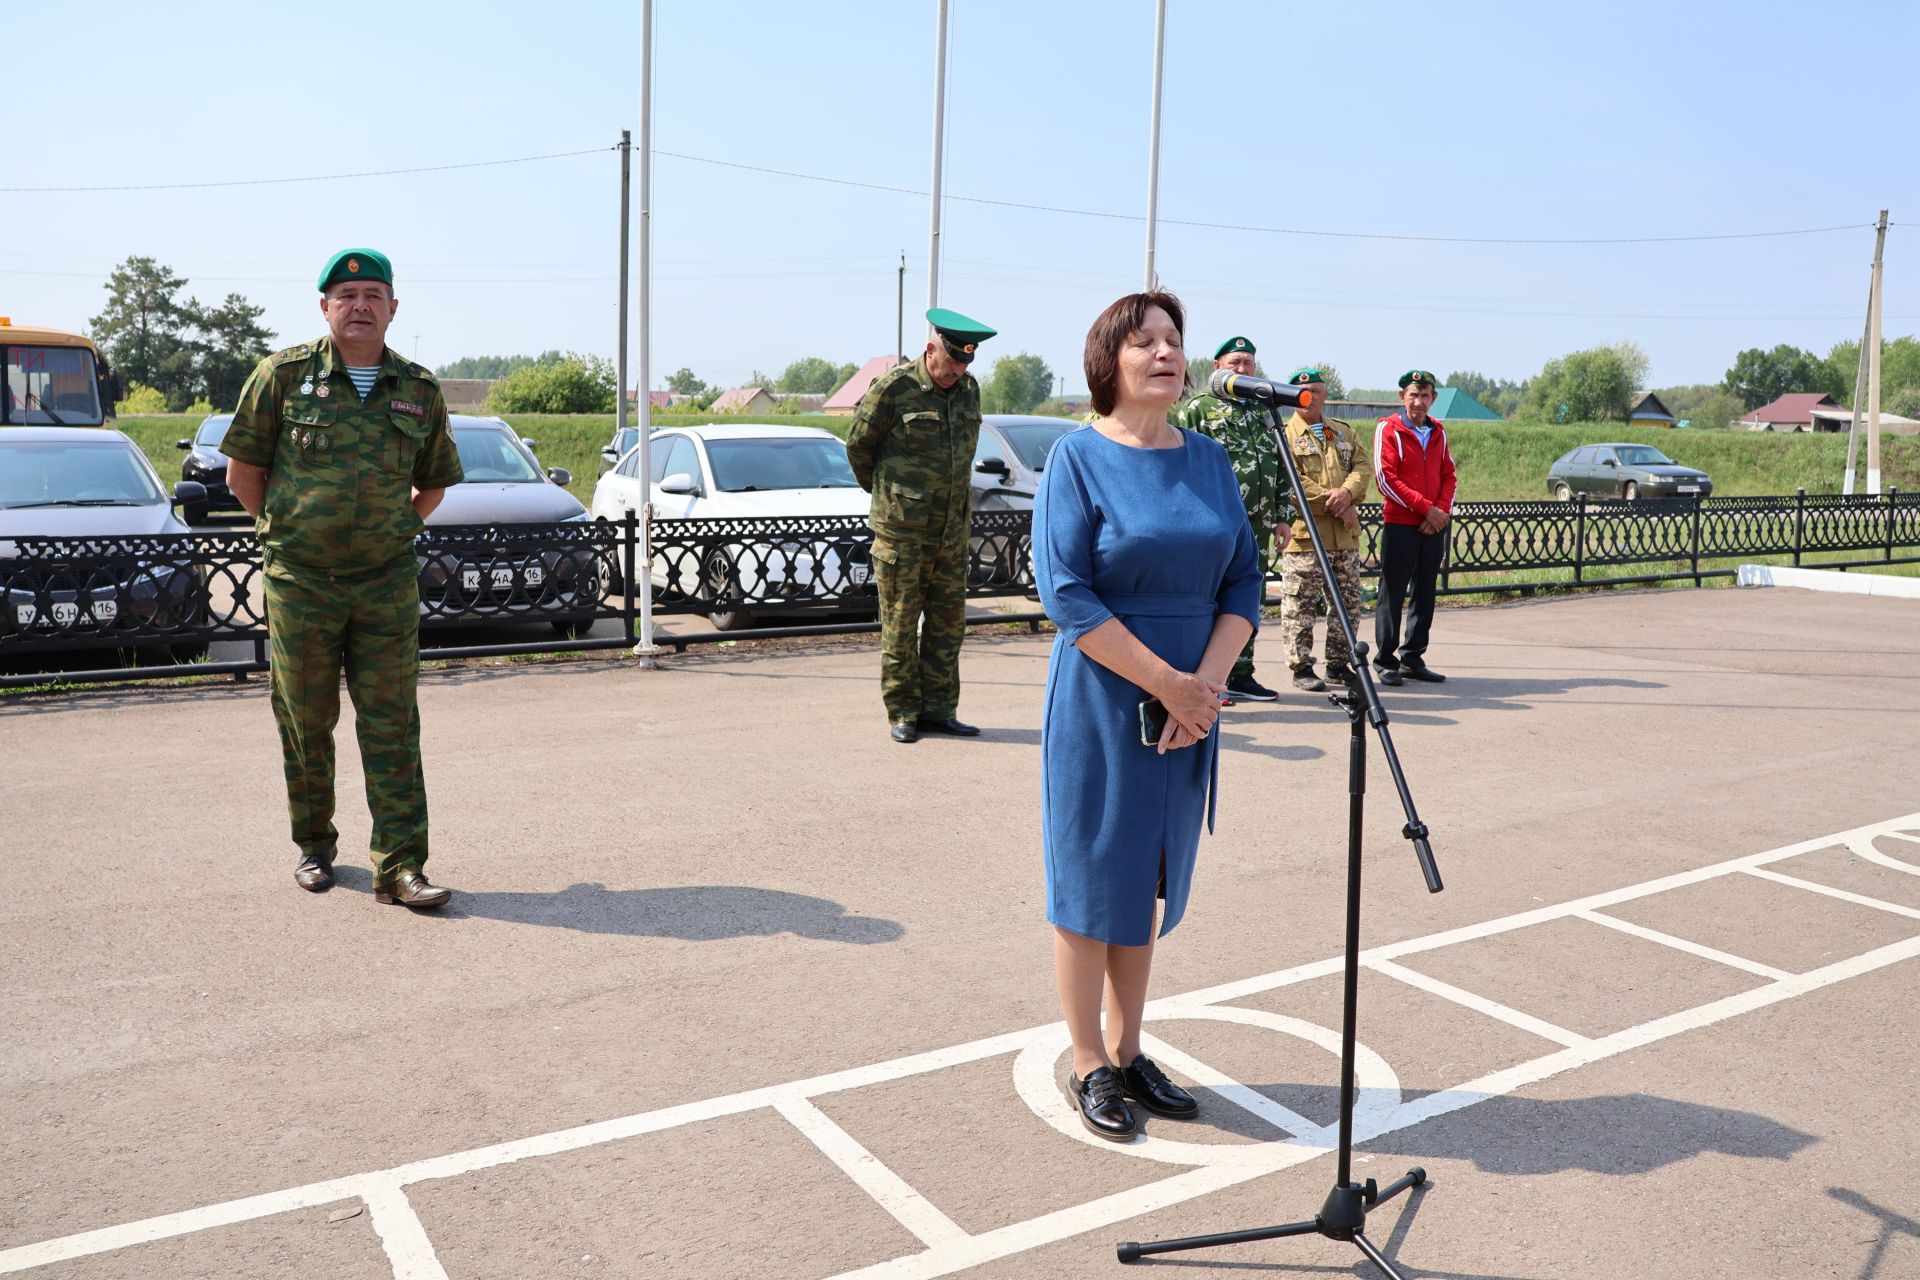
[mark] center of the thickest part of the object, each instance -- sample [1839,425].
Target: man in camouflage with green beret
[1335,472]
[340,448]
[911,445]
[1249,441]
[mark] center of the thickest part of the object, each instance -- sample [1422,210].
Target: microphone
[1229,385]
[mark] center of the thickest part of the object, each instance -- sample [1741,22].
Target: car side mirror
[679,482]
[189,493]
[560,476]
[183,444]
[1609,462]
[531,445]
[993,467]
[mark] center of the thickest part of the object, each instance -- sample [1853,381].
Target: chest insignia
[306,388]
[407,406]
[323,391]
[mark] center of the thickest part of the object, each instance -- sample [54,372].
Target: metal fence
[164,599]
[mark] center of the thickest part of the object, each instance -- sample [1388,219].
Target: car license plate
[535,575]
[858,574]
[470,579]
[1689,488]
[502,579]
[62,614]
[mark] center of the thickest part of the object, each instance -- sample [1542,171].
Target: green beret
[1233,344]
[1418,375]
[1305,377]
[356,264]
[961,333]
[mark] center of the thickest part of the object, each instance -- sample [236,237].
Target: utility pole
[900,310]
[645,650]
[1873,364]
[620,359]
[939,143]
[1153,136]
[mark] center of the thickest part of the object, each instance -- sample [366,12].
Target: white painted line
[1492,1008]
[909,1208]
[1683,944]
[1860,900]
[1865,849]
[401,1232]
[1252,1101]
[1185,1186]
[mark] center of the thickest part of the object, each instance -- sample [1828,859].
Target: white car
[749,471]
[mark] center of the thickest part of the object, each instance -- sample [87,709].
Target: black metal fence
[163,600]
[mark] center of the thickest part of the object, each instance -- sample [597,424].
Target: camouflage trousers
[1263,544]
[368,625]
[923,619]
[1302,587]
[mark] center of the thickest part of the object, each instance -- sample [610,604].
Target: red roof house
[844,401]
[1792,412]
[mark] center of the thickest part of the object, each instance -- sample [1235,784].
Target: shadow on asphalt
[690,913]
[1892,1224]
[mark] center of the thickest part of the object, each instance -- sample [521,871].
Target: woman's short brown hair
[1126,317]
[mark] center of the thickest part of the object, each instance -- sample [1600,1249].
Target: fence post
[1893,497]
[1579,537]
[1799,522]
[629,538]
[1446,559]
[1696,539]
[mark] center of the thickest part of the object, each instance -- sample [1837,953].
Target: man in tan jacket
[1335,472]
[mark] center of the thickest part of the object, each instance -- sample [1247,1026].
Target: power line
[323,177]
[1277,231]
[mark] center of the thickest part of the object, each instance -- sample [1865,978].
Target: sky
[1399,134]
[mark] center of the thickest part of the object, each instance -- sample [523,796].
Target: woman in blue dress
[1147,566]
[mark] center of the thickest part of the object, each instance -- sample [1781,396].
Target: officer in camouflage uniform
[339,449]
[1249,442]
[911,445]
[1335,470]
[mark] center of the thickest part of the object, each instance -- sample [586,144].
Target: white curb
[1858,584]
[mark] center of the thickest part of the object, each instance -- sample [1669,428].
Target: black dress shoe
[1423,672]
[947,724]
[1148,1085]
[1303,678]
[1342,675]
[904,731]
[410,889]
[1388,675]
[314,874]
[1102,1105]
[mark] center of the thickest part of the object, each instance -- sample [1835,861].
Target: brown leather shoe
[313,875]
[410,889]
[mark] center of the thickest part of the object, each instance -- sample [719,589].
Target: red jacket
[1412,479]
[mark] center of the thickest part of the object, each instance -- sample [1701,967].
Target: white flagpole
[939,157]
[643,418]
[1153,136]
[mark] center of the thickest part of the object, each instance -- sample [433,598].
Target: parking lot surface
[732,985]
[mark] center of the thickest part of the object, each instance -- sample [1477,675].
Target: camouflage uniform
[336,531]
[1243,430]
[1333,459]
[911,445]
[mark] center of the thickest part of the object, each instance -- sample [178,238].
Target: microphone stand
[1344,1214]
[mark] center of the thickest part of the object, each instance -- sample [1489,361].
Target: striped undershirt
[363,379]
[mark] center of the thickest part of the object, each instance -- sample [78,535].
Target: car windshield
[212,432]
[1033,441]
[491,456]
[1642,455]
[813,462]
[50,386]
[624,439]
[79,474]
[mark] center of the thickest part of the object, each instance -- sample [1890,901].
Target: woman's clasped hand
[1193,704]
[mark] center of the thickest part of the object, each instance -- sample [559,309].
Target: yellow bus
[53,379]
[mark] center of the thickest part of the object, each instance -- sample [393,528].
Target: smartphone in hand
[1153,722]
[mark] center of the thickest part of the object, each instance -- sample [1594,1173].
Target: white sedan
[749,471]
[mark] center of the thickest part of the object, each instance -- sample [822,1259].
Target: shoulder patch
[421,371]
[292,354]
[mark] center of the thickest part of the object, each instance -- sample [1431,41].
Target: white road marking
[1858,900]
[1252,1101]
[1480,1004]
[1683,944]
[1218,1165]
[400,1231]
[908,1207]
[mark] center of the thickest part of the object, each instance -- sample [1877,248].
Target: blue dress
[1158,538]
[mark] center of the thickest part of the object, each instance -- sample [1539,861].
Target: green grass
[1497,461]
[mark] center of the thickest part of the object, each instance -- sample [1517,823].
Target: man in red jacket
[1414,470]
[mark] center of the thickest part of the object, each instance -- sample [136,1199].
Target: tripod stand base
[1342,1217]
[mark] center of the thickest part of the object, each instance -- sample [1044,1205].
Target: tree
[810,375]
[229,342]
[1899,374]
[141,399]
[759,379]
[495,366]
[1336,386]
[1016,385]
[841,373]
[576,384]
[1760,377]
[1595,385]
[1704,405]
[683,382]
[143,328]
